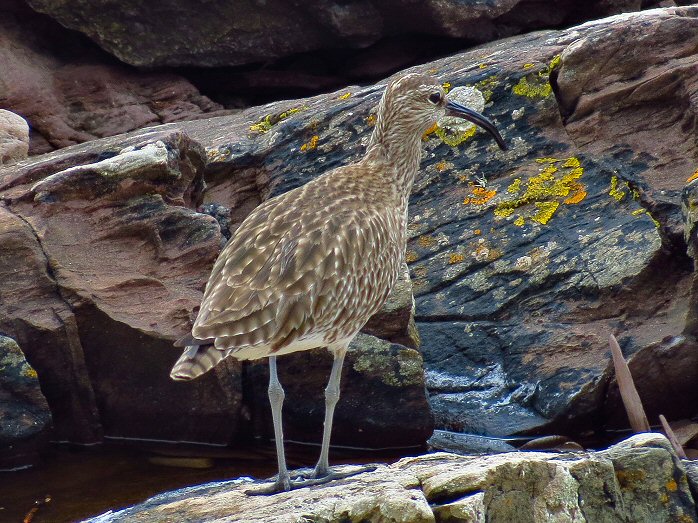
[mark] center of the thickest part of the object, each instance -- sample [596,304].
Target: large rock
[223,33]
[14,138]
[522,261]
[638,480]
[127,261]
[23,409]
[71,94]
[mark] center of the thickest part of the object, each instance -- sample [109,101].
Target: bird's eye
[435,98]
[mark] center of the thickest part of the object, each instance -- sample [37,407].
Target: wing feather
[289,272]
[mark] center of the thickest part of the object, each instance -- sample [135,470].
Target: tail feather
[196,360]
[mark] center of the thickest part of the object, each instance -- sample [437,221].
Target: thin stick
[672,437]
[628,392]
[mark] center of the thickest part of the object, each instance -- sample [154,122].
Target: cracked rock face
[639,480]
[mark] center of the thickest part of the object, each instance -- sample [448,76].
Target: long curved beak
[456,109]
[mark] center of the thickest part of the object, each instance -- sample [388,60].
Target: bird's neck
[401,150]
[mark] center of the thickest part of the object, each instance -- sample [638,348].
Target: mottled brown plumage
[308,268]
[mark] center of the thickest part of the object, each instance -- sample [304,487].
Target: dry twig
[628,392]
[672,437]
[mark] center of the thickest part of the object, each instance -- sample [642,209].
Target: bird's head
[417,102]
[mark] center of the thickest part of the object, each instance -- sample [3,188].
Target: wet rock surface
[23,409]
[638,480]
[521,262]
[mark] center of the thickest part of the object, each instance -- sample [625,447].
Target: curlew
[308,268]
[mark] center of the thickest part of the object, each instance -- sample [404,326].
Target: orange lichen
[441,166]
[371,120]
[671,485]
[480,196]
[411,256]
[429,131]
[455,257]
[692,177]
[577,196]
[427,241]
[312,144]
[477,232]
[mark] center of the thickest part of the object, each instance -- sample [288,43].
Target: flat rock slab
[638,480]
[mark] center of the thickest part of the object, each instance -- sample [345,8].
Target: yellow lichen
[638,212]
[441,166]
[344,96]
[411,256]
[515,186]
[557,182]
[427,241]
[371,120]
[671,486]
[545,211]
[615,192]
[455,138]
[480,196]
[312,144]
[554,62]
[486,86]
[446,86]
[536,85]
[641,211]
[692,177]
[454,258]
[266,123]
[482,66]
[28,372]
[533,88]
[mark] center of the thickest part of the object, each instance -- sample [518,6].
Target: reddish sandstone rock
[71,94]
[14,138]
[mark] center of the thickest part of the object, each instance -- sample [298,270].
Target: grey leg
[276,399]
[331,398]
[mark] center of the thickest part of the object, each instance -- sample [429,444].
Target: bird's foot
[321,475]
[280,484]
[306,478]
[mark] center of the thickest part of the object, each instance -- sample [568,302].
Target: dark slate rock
[24,412]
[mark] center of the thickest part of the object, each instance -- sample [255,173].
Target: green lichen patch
[538,198]
[265,124]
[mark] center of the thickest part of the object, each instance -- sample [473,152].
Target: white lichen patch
[468,96]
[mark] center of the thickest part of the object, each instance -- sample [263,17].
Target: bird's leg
[276,399]
[323,473]
[322,468]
